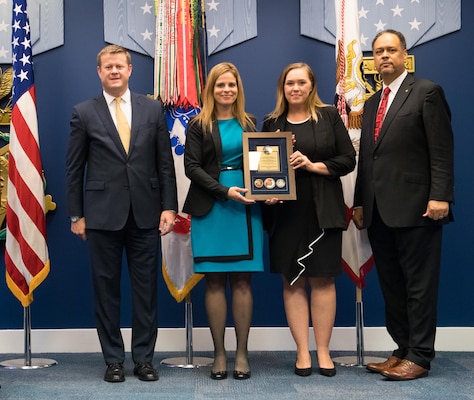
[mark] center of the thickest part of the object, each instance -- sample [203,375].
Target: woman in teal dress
[226,227]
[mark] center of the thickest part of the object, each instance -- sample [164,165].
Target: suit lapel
[281,124]
[135,119]
[400,98]
[104,114]
[216,138]
[370,111]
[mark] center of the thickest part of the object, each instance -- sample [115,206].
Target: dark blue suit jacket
[412,161]
[103,182]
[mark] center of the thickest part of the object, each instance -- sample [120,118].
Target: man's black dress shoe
[145,372]
[241,375]
[327,371]
[219,375]
[303,371]
[114,373]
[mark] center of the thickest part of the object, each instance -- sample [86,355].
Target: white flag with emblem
[357,257]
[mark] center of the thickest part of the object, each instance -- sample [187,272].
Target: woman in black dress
[305,235]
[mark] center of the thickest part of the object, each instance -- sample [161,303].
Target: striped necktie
[381,113]
[122,125]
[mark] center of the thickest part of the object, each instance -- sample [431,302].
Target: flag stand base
[183,362]
[360,360]
[352,361]
[189,361]
[28,362]
[35,363]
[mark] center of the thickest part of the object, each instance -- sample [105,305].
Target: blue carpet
[79,376]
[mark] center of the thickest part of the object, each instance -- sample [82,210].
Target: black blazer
[202,164]
[103,182]
[333,148]
[412,161]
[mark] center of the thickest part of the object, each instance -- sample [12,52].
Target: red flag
[186,78]
[26,255]
[180,52]
[357,258]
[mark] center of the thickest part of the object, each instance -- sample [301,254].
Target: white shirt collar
[395,85]
[125,97]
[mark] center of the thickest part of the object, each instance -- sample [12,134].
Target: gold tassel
[355,119]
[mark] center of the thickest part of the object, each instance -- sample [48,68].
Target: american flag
[26,255]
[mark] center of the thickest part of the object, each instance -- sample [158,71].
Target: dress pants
[142,247]
[408,267]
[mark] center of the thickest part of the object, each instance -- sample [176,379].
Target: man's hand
[79,228]
[358,217]
[167,221]
[436,209]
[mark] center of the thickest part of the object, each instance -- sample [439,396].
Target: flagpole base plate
[21,363]
[183,362]
[352,361]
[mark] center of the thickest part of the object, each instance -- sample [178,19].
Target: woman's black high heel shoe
[219,375]
[330,372]
[241,375]
[303,371]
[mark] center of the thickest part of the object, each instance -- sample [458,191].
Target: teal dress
[230,237]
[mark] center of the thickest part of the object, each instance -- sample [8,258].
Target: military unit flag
[179,79]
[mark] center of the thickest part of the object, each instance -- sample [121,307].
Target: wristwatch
[75,218]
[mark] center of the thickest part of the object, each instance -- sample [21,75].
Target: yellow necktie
[122,125]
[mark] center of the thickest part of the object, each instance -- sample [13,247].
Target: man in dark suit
[403,193]
[121,194]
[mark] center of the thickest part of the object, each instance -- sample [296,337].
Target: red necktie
[381,113]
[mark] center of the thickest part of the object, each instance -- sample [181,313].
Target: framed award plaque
[267,172]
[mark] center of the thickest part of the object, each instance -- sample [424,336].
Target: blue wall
[67,75]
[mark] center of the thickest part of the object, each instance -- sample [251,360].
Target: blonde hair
[113,49]
[208,115]
[313,102]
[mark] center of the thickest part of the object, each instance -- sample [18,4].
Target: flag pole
[27,362]
[189,361]
[350,91]
[360,360]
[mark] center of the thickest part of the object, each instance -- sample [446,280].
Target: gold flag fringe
[355,119]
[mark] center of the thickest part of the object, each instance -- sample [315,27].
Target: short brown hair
[113,49]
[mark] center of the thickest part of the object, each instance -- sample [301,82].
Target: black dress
[298,246]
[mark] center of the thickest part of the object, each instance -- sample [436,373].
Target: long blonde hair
[208,112]
[313,102]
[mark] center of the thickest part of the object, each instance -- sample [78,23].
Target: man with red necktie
[403,194]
